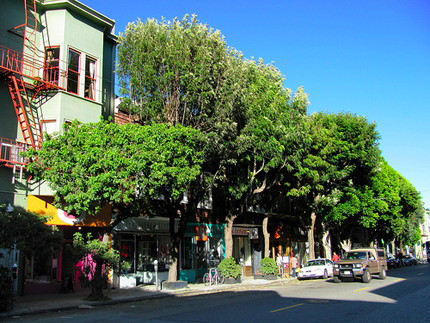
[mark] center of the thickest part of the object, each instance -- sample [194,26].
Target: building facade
[56,65]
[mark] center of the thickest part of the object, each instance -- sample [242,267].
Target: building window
[51,68]
[73,72]
[49,127]
[90,78]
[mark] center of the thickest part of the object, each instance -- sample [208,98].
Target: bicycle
[213,276]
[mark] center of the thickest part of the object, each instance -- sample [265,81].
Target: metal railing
[10,151]
[25,65]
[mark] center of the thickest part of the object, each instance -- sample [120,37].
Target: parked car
[321,267]
[392,262]
[410,260]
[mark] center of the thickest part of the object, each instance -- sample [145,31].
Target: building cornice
[78,7]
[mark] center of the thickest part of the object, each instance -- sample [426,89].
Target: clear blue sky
[367,57]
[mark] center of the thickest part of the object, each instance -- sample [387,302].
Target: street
[403,296]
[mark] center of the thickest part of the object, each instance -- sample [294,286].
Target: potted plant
[230,270]
[268,268]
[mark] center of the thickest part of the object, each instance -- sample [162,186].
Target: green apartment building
[56,65]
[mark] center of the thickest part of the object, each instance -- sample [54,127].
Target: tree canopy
[91,165]
[27,232]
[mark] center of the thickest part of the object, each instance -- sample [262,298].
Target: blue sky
[371,58]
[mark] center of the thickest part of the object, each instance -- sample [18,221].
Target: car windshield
[315,263]
[355,255]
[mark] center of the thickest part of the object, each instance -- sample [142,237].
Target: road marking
[420,274]
[400,279]
[286,308]
[357,290]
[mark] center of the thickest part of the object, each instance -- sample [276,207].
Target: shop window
[127,254]
[51,68]
[90,78]
[73,71]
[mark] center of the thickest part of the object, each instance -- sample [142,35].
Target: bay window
[73,71]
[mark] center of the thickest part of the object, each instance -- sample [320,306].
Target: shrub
[6,290]
[229,268]
[268,266]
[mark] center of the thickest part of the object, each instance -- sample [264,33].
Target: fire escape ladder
[30,32]
[29,126]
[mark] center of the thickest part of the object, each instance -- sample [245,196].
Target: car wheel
[383,274]
[325,276]
[367,277]
[337,279]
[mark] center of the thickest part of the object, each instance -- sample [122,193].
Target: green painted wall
[69,25]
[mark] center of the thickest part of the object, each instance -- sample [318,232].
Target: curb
[177,293]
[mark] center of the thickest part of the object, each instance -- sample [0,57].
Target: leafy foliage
[229,268]
[268,266]
[6,290]
[28,232]
[100,257]
[95,164]
[340,154]
[173,71]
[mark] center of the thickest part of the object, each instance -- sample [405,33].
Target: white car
[321,267]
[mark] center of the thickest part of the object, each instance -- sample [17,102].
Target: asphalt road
[402,297]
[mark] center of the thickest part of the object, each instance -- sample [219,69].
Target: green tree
[412,212]
[101,257]
[182,72]
[263,148]
[175,72]
[28,232]
[127,167]
[341,153]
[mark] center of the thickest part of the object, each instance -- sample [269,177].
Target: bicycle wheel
[221,278]
[206,279]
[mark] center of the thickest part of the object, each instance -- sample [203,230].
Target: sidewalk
[37,304]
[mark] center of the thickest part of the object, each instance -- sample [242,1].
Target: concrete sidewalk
[37,304]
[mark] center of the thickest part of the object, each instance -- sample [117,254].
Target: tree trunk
[97,282]
[311,228]
[346,244]
[228,236]
[176,238]
[393,246]
[311,236]
[266,236]
[326,239]
[174,256]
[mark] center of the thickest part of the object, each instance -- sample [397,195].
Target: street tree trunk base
[174,285]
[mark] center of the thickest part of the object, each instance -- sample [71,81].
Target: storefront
[201,248]
[141,241]
[288,240]
[43,274]
[247,247]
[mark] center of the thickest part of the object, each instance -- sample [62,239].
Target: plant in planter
[268,267]
[230,269]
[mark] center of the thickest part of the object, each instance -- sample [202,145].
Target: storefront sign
[236,231]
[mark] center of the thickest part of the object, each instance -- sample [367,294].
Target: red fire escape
[16,68]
